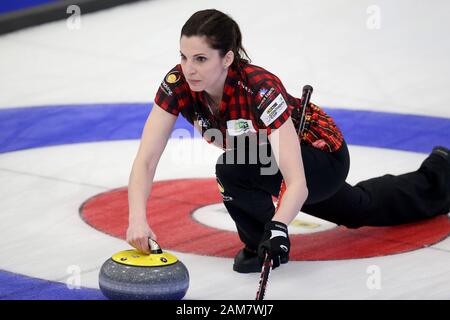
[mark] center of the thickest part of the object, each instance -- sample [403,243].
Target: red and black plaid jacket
[253,99]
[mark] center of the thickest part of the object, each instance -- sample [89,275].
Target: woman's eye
[201,59]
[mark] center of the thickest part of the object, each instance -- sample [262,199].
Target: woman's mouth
[194,81]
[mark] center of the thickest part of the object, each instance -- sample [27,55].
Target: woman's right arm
[156,133]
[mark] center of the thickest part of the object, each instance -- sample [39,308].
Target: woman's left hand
[319,144]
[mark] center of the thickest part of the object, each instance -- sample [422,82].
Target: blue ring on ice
[25,128]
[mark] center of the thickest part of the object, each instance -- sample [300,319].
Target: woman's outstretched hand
[138,234]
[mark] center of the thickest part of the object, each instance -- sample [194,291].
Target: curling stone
[132,275]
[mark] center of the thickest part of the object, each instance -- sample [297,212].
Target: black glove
[276,242]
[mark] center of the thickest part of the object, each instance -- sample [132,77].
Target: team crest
[173,77]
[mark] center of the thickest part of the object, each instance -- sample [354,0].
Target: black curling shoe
[246,261]
[442,152]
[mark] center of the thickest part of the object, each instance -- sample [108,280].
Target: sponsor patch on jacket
[265,95]
[173,77]
[239,126]
[274,110]
[165,87]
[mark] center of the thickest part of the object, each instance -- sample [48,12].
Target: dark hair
[221,31]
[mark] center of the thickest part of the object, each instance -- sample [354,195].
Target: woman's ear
[228,59]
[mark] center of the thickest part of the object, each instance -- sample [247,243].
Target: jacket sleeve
[272,105]
[171,92]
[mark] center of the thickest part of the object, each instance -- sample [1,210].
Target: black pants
[383,201]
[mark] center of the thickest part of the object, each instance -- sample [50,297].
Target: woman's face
[203,67]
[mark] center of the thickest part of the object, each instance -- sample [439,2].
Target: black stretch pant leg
[382,201]
[248,194]
[391,199]
[249,205]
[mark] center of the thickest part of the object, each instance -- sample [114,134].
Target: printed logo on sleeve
[166,88]
[274,110]
[263,92]
[265,95]
[173,77]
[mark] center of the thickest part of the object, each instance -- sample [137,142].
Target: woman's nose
[190,69]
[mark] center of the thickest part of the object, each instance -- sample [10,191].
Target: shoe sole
[246,269]
[251,268]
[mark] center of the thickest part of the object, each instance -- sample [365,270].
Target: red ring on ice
[172,203]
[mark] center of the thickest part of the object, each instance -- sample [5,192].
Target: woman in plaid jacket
[243,109]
